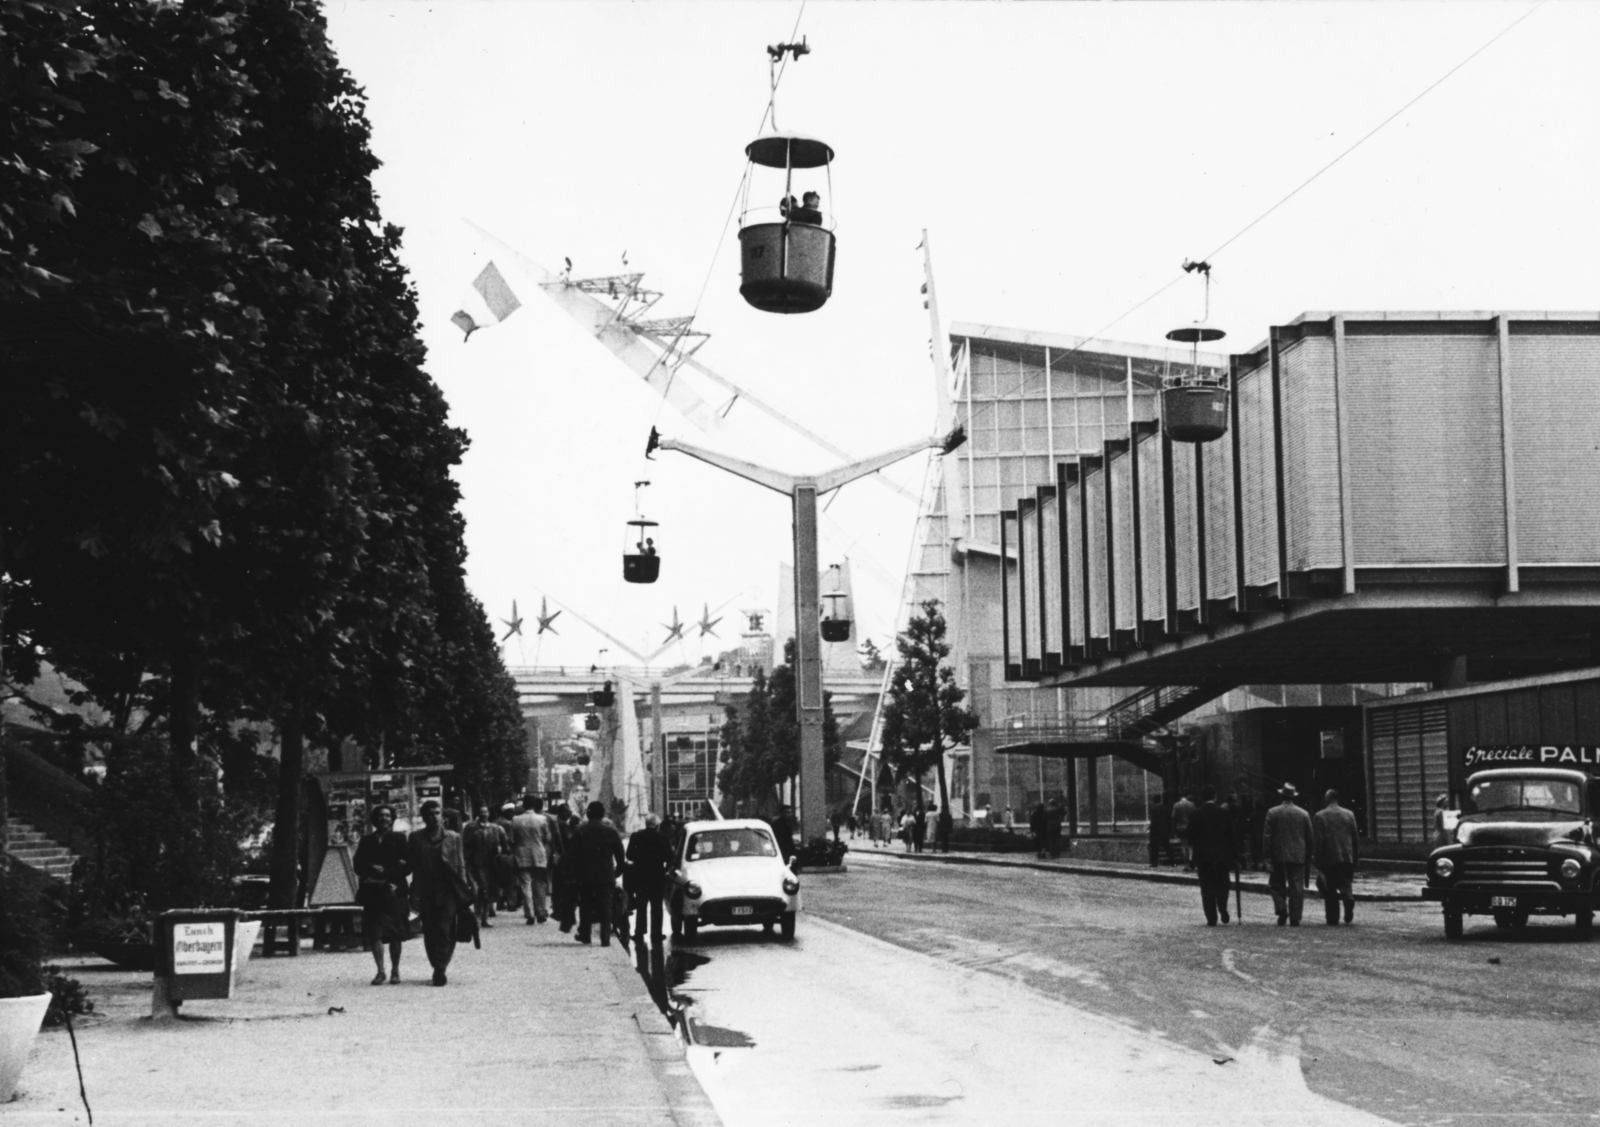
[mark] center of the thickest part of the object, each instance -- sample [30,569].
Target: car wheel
[788,925]
[1452,923]
[691,927]
[1585,921]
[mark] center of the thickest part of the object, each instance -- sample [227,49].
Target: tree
[923,717]
[871,657]
[761,744]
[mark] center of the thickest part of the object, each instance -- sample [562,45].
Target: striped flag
[493,302]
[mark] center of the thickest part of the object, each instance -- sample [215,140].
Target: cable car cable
[1296,191]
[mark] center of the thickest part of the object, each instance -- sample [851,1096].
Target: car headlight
[790,885]
[1444,867]
[692,890]
[1570,868]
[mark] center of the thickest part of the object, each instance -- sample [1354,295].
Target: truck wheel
[1452,923]
[1502,920]
[1585,922]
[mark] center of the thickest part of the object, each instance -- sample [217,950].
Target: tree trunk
[183,721]
[5,814]
[284,891]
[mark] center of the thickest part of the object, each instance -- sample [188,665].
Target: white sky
[1065,159]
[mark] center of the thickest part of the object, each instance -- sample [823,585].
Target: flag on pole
[493,303]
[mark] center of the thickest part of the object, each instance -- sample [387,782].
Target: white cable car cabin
[1194,404]
[787,249]
[643,565]
[836,619]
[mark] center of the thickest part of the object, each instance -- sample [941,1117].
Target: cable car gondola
[787,249]
[1194,404]
[591,723]
[602,698]
[641,565]
[836,621]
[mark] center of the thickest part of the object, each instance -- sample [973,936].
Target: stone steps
[38,851]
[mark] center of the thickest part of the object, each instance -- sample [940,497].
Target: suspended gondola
[642,565]
[1194,403]
[836,620]
[787,249]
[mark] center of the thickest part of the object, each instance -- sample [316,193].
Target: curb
[1081,869]
[687,1102]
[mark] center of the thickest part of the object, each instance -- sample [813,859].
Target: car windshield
[733,842]
[1549,796]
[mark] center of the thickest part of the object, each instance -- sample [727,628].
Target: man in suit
[649,860]
[531,852]
[440,890]
[1287,843]
[1210,835]
[596,855]
[1338,848]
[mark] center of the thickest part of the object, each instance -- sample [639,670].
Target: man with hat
[1286,841]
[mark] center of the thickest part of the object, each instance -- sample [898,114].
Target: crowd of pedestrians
[447,880]
[1220,838]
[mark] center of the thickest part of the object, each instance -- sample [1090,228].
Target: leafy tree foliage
[923,717]
[761,742]
[872,660]
[226,491]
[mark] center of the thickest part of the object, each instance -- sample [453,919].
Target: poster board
[336,883]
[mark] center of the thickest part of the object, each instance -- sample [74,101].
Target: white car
[730,873]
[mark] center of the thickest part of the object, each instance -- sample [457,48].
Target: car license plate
[744,911]
[1502,901]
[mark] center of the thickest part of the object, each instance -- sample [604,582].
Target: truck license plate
[745,911]
[1502,901]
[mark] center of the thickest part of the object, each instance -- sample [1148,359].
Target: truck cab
[1524,846]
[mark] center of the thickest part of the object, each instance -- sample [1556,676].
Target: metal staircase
[37,851]
[1121,730]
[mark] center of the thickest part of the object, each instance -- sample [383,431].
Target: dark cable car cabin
[591,723]
[1194,404]
[642,565]
[835,620]
[603,697]
[787,249]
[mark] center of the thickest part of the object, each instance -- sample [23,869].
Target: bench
[281,927]
[337,927]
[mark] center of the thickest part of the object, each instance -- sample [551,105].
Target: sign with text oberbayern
[200,948]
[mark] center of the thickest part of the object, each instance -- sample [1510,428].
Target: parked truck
[1524,846]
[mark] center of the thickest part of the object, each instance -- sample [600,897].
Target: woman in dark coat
[382,867]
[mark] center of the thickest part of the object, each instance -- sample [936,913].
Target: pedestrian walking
[564,873]
[441,892]
[919,830]
[1211,836]
[381,867]
[649,859]
[1337,850]
[483,842]
[1286,842]
[1036,825]
[506,892]
[1160,831]
[596,853]
[783,830]
[1441,825]
[1182,811]
[530,852]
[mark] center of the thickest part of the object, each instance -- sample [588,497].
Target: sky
[1064,161]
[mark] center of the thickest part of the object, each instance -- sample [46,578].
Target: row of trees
[923,718]
[224,473]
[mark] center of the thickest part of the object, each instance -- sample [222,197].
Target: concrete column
[808,657]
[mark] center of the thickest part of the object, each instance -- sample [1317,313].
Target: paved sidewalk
[1369,886]
[532,1028]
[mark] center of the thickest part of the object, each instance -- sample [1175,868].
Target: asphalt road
[918,992]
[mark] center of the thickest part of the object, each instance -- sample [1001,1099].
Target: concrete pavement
[1371,886]
[531,1027]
